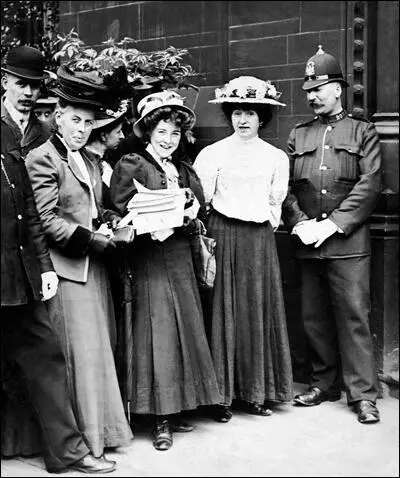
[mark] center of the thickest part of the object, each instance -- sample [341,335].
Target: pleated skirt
[249,339]
[90,338]
[171,364]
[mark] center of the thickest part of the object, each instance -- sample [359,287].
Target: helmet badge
[310,68]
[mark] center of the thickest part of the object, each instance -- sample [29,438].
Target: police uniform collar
[333,118]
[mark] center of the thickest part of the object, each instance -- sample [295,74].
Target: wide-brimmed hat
[248,89]
[322,68]
[83,88]
[26,62]
[158,100]
[107,116]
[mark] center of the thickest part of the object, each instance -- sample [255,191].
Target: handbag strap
[202,228]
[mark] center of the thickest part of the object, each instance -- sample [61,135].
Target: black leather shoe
[162,435]
[315,396]
[222,413]
[91,464]
[256,409]
[179,426]
[367,411]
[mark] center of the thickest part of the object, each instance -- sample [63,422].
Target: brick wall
[268,39]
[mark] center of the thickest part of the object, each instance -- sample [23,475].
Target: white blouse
[246,180]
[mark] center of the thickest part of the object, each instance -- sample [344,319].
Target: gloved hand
[100,243]
[113,221]
[49,285]
[189,197]
[324,229]
[306,231]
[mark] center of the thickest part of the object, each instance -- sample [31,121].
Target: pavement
[322,441]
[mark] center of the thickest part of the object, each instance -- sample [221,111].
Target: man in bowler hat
[21,79]
[29,335]
[335,185]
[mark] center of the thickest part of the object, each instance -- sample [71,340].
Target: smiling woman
[171,368]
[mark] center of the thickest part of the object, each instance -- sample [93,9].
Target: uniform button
[19,216]
[21,247]
[13,186]
[324,168]
[324,215]
[163,181]
[329,128]
[324,191]
[326,146]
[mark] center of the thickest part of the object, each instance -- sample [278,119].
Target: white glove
[325,229]
[306,232]
[49,285]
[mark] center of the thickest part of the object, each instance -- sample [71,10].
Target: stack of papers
[155,210]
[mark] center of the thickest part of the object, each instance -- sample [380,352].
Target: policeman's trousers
[29,337]
[335,311]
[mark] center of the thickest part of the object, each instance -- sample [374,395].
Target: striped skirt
[249,339]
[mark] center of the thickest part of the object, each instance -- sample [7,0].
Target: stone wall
[268,39]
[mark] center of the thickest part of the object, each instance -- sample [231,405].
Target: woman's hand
[189,197]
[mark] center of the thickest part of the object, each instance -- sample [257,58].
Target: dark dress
[172,369]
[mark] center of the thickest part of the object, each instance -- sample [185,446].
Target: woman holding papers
[245,180]
[66,181]
[172,368]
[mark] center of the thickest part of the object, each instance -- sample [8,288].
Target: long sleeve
[291,212]
[45,179]
[35,225]
[122,187]
[279,188]
[360,202]
[207,170]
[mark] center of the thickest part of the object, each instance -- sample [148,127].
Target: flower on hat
[248,87]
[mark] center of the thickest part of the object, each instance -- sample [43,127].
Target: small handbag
[203,254]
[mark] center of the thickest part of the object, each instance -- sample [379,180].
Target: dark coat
[145,169]
[36,132]
[24,253]
[335,174]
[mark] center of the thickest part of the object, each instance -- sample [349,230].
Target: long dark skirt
[172,365]
[249,339]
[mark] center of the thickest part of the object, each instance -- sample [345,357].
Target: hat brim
[310,84]
[137,125]
[74,100]
[101,123]
[46,101]
[255,101]
[22,73]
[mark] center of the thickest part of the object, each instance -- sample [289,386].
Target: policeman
[335,184]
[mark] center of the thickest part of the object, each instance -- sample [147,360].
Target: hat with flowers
[248,89]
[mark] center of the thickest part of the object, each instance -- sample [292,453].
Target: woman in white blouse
[245,181]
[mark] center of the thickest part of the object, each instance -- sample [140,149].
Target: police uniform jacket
[64,204]
[335,174]
[36,132]
[24,252]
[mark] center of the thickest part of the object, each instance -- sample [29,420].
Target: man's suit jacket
[64,204]
[36,132]
[24,252]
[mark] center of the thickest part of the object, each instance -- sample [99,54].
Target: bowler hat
[158,100]
[80,87]
[322,68]
[26,62]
